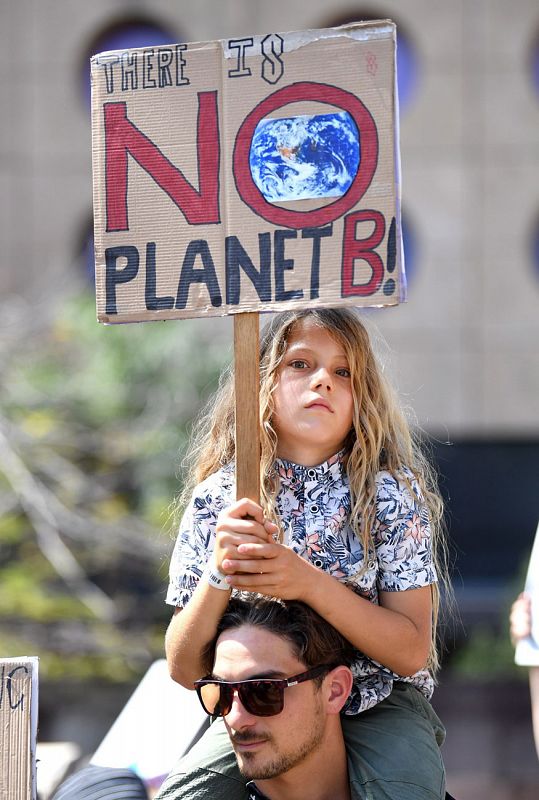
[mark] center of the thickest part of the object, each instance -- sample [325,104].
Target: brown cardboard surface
[183,229]
[18,727]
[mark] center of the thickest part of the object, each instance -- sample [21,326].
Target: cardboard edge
[401,266]
[360,31]
[294,40]
[97,162]
[271,308]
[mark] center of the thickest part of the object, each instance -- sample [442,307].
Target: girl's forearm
[397,638]
[397,633]
[190,630]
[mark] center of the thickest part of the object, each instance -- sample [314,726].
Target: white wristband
[215,577]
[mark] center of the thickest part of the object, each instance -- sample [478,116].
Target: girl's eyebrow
[298,347]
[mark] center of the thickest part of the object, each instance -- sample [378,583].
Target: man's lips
[247,746]
[248,742]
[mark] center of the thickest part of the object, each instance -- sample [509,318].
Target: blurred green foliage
[93,420]
[486,654]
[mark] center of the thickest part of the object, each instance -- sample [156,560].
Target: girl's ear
[338,687]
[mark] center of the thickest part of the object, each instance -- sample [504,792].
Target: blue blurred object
[125,35]
[407,69]
[409,246]
[535,245]
[535,64]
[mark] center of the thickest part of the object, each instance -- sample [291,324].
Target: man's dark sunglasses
[262,697]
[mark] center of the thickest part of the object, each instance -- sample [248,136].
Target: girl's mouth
[320,404]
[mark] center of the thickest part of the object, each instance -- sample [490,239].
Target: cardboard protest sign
[247,175]
[18,724]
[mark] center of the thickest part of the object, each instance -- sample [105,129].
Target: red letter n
[122,137]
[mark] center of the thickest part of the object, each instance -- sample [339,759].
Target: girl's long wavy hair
[380,438]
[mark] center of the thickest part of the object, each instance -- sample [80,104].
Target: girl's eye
[298,364]
[344,372]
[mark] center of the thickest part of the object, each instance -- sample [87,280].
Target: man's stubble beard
[283,762]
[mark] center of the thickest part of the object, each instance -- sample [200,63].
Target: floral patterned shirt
[314,505]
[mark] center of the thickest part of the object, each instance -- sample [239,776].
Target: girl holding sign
[349,523]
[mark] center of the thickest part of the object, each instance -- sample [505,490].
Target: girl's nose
[322,378]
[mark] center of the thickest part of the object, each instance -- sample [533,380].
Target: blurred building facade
[464,347]
[466,340]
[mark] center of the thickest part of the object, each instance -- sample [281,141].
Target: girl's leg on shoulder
[209,771]
[394,749]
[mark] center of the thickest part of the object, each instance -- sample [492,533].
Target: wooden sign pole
[247,389]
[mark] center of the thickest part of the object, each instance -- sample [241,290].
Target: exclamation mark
[389,285]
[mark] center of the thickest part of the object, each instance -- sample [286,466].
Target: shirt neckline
[290,472]
[254,792]
[354,783]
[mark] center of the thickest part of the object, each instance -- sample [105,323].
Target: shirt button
[314,509]
[317,562]
[311,473]
[372,564]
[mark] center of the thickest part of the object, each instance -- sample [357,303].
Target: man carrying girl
[349,523]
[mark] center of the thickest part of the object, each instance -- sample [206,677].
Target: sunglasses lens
[262,698]
[216,698]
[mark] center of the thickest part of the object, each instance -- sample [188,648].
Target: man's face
[266,747]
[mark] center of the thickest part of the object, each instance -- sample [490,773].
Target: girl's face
[313,396]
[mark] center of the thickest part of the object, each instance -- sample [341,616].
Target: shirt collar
[292,474]
[254,792]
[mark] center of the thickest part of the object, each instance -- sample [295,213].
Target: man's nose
[238,717]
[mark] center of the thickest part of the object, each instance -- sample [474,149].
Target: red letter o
[321,93]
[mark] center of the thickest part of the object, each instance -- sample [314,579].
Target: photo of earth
[304,157]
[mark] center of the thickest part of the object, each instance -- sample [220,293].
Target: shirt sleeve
[196,538]
[402,535]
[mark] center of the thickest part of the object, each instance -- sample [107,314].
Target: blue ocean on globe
[304,157]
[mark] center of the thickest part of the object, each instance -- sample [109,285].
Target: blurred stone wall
[465,345]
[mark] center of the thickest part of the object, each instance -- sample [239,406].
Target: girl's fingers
[255,550]
[246,516]
[253,566]
[271,527]
[233,550]
[246,508]
[253,582]
[239,540]
[240,546]
[247,526]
